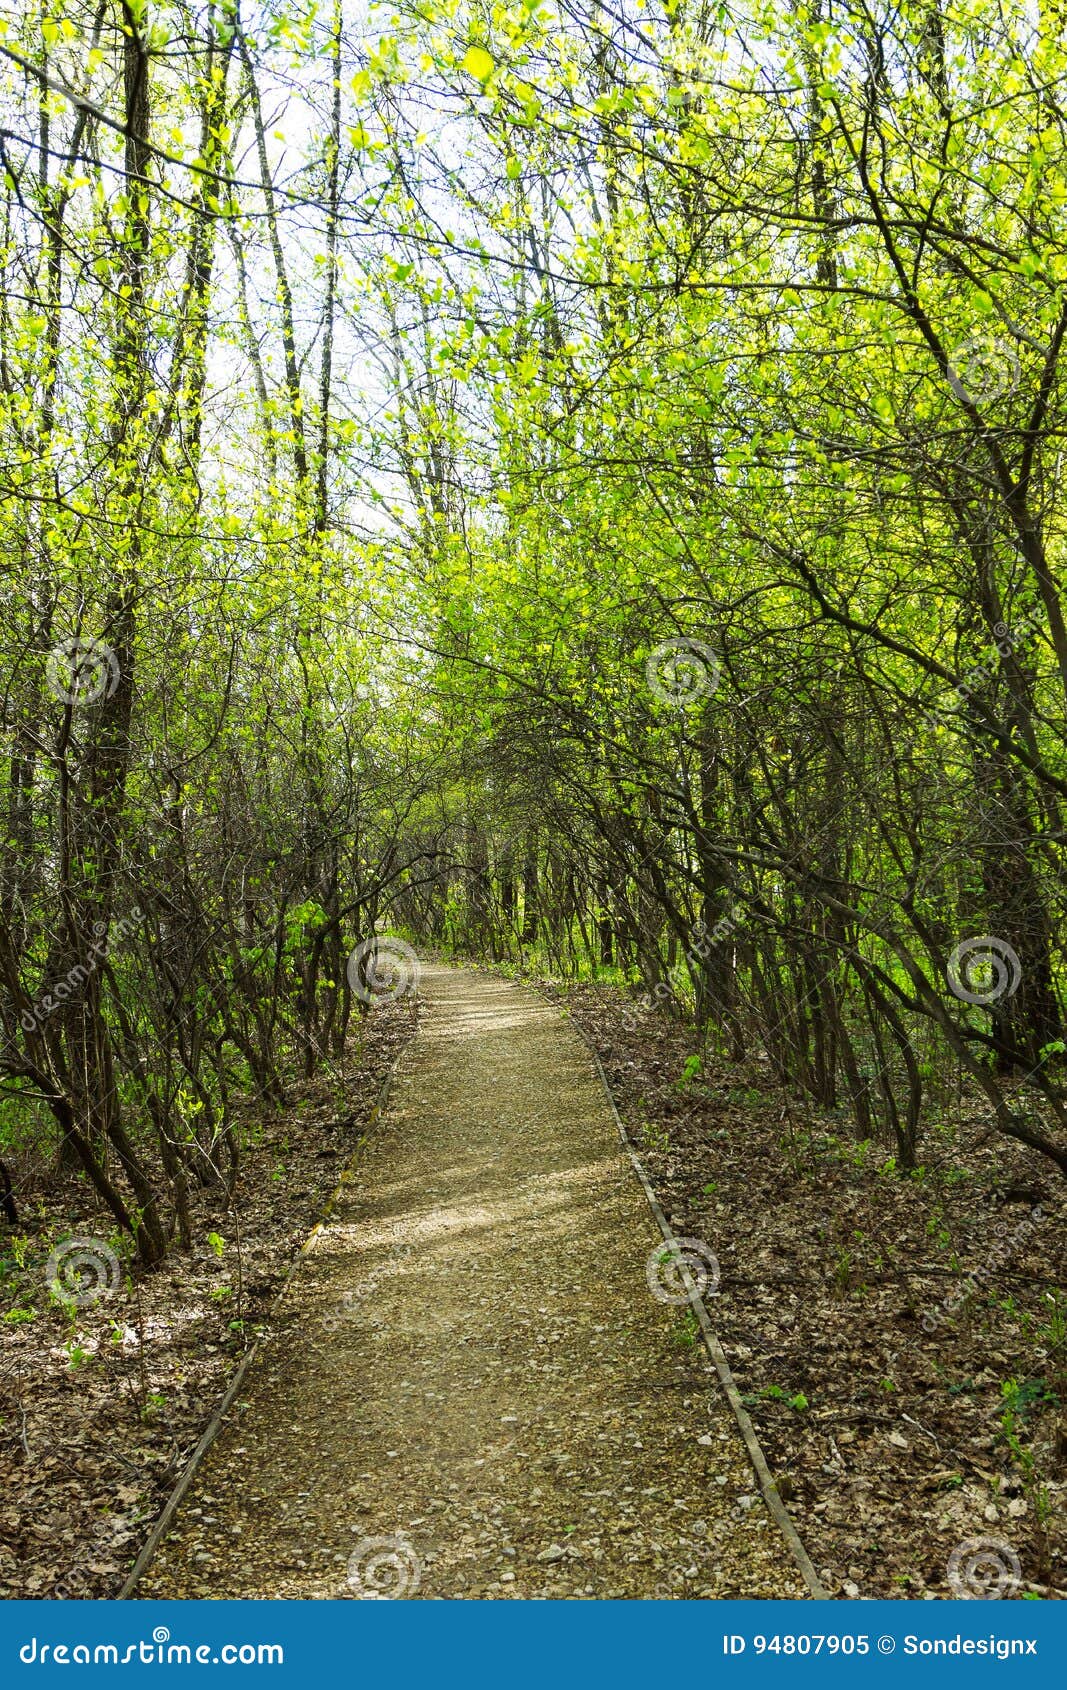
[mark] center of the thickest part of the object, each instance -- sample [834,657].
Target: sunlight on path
[468,1389]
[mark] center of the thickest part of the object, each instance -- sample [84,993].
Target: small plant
[936,1229]
[692,1069]
[76,1355]
[19,1317]
[1051,1332]
[776,1394]
[956,1176]
[216,1245]
[962,1388]
[750,1096]
[1020,1398]
[686,1331]
[655,1137]
[842,1276]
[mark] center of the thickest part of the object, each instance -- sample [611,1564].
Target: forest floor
[887,1400]
[469,1388]
[100,1406]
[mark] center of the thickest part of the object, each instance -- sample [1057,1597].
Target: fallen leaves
[829,1264]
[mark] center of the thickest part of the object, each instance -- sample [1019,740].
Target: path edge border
[211,1431]
[778,1511]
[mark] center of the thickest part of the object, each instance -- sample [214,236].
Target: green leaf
[478,63]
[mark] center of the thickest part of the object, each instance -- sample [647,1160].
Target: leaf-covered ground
[878,1388]
[101,1405]
[901,1415]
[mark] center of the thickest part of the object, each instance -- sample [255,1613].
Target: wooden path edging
[779,1512]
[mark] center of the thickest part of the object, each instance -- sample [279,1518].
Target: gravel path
[468,1389]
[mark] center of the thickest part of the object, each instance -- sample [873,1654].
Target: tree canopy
[562,482]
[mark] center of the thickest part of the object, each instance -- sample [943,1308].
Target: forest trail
[468,1389]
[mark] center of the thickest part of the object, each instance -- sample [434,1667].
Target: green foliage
[686,1331]
[619,541]
[775,1393]
[692,1069]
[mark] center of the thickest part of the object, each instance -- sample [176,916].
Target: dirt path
[469,1390]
